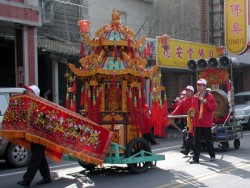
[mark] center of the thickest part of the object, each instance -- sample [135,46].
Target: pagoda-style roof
[113,51]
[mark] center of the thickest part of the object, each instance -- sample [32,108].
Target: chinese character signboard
[179,52]
[236,25]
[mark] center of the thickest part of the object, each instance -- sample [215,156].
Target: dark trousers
[201,132]
[189,142]
[38,162]
[184,136]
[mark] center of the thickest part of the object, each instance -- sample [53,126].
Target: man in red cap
[38,160]
[183,94]
[183,109]
[204,105]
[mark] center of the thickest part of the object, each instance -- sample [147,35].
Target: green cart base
[136,155]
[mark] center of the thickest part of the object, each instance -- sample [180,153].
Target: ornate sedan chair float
[113,73]
[216,73]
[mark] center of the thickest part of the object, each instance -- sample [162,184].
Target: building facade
[19,21]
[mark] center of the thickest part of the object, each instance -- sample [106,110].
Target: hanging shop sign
[178,52]
[236,25]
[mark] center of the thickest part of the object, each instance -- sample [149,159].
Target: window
[242,99]
[47,12]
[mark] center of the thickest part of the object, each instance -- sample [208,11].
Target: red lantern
[84,26]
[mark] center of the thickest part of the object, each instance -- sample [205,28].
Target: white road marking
[205,176]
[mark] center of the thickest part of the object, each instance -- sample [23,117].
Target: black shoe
[212,159]
[155,143]
[43,181]
[24,183]
[192,153]
[184,152]
[193,162]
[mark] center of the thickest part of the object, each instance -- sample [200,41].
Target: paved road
[231,169]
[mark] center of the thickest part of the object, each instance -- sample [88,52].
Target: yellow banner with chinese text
[179,52]
[236,25]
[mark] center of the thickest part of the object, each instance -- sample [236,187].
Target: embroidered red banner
[214,76]
[33,119]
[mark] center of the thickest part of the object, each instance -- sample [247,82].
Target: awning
[57,46]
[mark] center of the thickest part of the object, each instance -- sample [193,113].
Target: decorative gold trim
[124,96]
[139,73]
[102,98]
[93,83]
[135,84]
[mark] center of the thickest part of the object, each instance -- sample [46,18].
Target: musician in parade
[183,109]
[183,94]
[204,106]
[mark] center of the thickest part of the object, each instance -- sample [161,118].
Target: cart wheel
[86,165]
[225,146]
[237,144]
[133,147]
